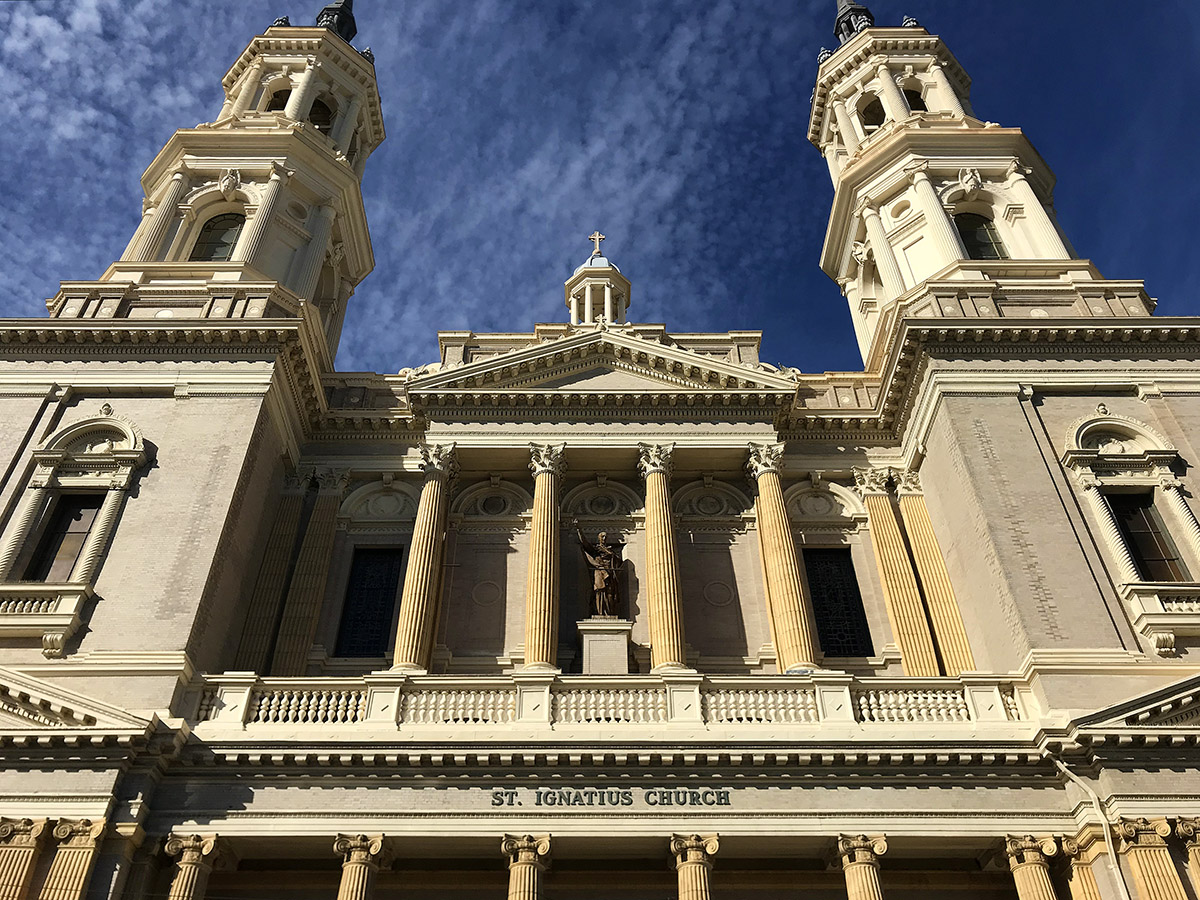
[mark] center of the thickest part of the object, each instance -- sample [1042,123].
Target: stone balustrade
[1162,611]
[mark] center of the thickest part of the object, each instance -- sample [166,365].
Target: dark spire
[338,17]
[851,19]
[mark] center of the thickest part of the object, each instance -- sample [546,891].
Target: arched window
[279,100]
[873,116]
[321,116]
[217,238]
[915,101]
[979,236]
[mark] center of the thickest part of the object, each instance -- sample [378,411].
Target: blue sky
[677,128]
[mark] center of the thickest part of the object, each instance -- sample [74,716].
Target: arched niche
[381,504]
[492,500]
[824,505]
[601,502]
[710,500]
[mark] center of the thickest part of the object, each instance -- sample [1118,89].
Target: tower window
[837,603]
[979,237]
[1147,539]
[915,101]
[321,116]
[873,116]
[64,537]
[370,602]
[218,237]
[279,100]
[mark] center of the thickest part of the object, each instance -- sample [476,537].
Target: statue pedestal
[605,645]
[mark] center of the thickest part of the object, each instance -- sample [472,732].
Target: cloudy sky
[677,128]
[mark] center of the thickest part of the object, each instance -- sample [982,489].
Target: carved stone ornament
[83,833]
[1029,850]
[1143,832]
[333,480]
[282,22]
[823,55]
[367,54]
[907,482]
[910,22]
[861,252]
[694,848]
[655,458]
[440,459]
[971,181]
[872,481]
[764,458]
[229,183]
[21,832]
[358,848]
[854,849]
[1187,829]
[526,849]
[547,458]
[191,849]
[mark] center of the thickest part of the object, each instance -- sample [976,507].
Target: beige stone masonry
[528,857]
[361,855]
[194,856]
[905,608]
[860,864]
[1188,830]
[789,607]
[1029,859]
[1081,879]
[693,862]
[1143,842]
[418,601]
[74,857]
[944,613]
[541,597]
[20,841]
[662,559]
[302,609]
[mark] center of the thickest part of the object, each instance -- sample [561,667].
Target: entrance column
[860,863]
[662,559]
[195,857]
[20,840]
[74,857]
[790,609]
[541,593]
[693,861]
[418,602]
[1143,841]
[361,855]
[1029,860]
[528,857]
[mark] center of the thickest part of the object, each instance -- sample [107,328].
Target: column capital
[866,210]
[764,458]
[1142,832]
[860,848]
[655,458]
[694,849]
[332,481]
[547,459]
[1170,483]
[360,848]
[21,832]
[1028,850]
[1188,830]
[872,480]
[1017,171]
[440,460]
[82,833]
[191,849]
[917,172]
[526,849]
[907,482]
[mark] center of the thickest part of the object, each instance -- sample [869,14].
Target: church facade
[599,609]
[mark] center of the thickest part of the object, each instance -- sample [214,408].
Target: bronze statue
[605,562]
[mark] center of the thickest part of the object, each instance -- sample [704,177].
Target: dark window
[873,116]
[370,601]
[218,237]
[979,237]
[279,100]
[837,604]
[321,116]
[1147,539]
[915,101]
[62,541]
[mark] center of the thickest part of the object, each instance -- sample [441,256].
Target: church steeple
[338,17]
[851,19]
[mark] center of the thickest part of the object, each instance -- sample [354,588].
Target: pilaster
[528,859]
[1143,842]
[860,864]
[74,857]
[693,862]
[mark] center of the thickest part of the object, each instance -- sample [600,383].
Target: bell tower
[259,213]
[937,213]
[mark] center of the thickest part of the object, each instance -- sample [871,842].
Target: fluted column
[194,857]
[74,857]
[1081,880]
[314,255]
[164,214]
[941,228]
[20,841]
[33,501]
[361,856]
[265,602]
[946,90]
[248,88]
[893,99]
[254,234]
[1143,842]
[885,257]
[344,132]
[528,857]
[302,608]
[541,593]
[944,614]
[1048,243]
[900,591]
[860,863]
[418,602]
[845,126]
[300,100]
[662,559]
[1127,570]
[693,861]
[1029,860]
[1188,830]
[789,607]
[102,527]
[1172,490]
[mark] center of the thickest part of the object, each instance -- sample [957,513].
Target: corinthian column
[254,234]
[1029,860]
[302,609]
[789,608]
[164,212]
[662,559]
[693,861]
[418,602]
[944,613]
[541,597]
[20,840]
[860,863]
[361,856]
[905,609]
[73,859]
[527,859]
[1143,842]
[194,861]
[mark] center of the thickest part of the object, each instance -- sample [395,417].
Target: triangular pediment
[32,704]
[1175,706]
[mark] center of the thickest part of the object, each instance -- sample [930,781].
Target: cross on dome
[596,237]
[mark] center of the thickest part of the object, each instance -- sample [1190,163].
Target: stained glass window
[837,603]
[370,602]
